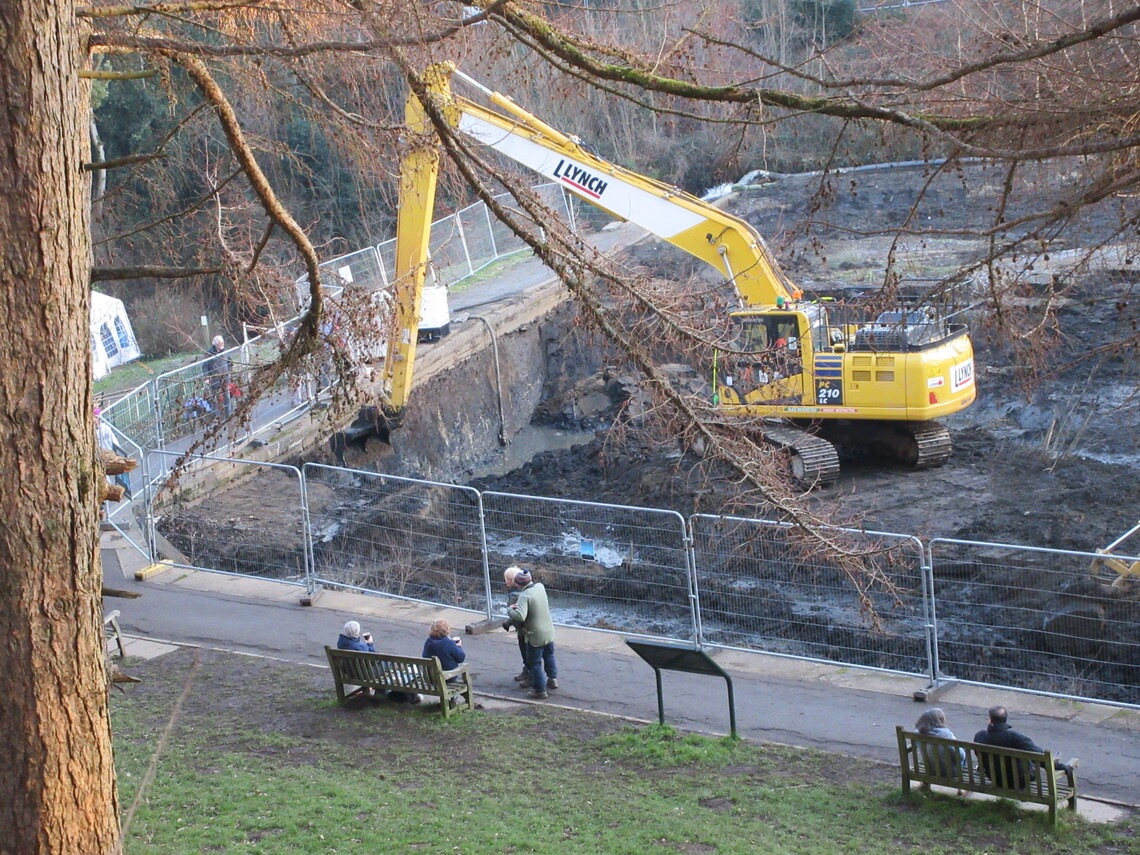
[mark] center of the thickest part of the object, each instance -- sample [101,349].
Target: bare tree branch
[120,162]
[160,9]
[110,274]
[91,74]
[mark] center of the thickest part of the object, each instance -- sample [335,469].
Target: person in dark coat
[217,370]
[1011,772]
[449,651]
[351,638]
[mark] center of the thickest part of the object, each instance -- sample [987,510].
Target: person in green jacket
[531,613]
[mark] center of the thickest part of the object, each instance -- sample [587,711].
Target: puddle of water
[527,443]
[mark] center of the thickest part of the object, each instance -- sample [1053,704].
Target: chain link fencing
[1035,618]
[254,526]
[397,536]
[764,585]
[1020,617]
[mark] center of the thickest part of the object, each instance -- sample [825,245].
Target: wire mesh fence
[475,225]
[1038,619]
[397,536]
[1014,616]
[134,416]
[254,527]
[363,269]
[763,586]
[605,566]
[180,404]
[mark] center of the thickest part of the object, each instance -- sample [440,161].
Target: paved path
[781,700]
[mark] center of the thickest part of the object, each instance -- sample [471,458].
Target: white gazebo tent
[112,339]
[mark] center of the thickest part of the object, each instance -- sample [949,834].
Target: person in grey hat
[531,612]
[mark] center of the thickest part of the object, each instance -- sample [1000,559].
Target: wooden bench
[385,672]
[934,760]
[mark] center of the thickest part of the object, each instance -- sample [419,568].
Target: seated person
[942,760]
[1010,772]
[351,638]
[449,651]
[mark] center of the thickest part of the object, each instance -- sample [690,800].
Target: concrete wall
[473,387]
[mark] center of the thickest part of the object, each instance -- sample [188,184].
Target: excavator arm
[727,243]
[419,170]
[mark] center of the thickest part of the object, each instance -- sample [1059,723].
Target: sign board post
[665,656]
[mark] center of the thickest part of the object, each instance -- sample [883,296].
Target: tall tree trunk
[57,785]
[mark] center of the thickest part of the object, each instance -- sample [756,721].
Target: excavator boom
[727,243]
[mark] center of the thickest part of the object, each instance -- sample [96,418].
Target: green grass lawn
[260,757]
[132,375]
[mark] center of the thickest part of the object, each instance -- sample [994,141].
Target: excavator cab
[770,366]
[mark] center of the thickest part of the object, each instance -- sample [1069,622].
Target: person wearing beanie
[531,613]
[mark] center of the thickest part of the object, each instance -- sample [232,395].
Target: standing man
[531,614]
[523,677]
[217,369]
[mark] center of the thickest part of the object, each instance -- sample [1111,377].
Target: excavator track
[921,445]
[814,461]
[932,444]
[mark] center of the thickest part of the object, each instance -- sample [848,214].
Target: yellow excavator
[1127,570]
[814,372]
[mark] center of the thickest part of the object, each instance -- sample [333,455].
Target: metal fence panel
[559,201]
[477,234]
[361,269]
[397,536]
[134,416]
[253,529]
[506,241]
[605,566]
[446,250]
[762,586]
[189,400]
[1035,619]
